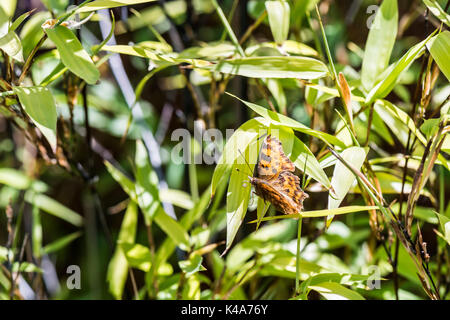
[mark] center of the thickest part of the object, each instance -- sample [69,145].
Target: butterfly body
[274,180]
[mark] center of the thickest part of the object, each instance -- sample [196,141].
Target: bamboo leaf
[72,54]
[107,4]
[380,43]
[436,9]
[238,194]
[282,120]
[272,67]
[38,103]
[53,207]
[118,266]
[343,178]
[335,291]
[320,213]
[279,18]
[393,72]
[12,46]
[439,48]
[61,243]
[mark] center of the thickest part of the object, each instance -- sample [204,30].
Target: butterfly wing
[272,159]
[289,184]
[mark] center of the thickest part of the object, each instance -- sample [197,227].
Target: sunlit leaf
[282,120]
[393,72]
[61,243]
[279,18]
[107,4]
[72,54]
[38,103]
[12,46]
[272,67]
[118,266]
[380,42]
[437,10]
[53,207]
[320,213]
[335,291]
[439,48]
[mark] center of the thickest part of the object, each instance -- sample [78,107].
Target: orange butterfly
[274,180]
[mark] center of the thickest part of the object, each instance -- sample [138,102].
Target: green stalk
[441,190]
[7,93]
[327,48]
[193,183]
[297,266]
[228,29]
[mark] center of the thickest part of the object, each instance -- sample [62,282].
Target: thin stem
[227,26]
[297,266]
[27,64]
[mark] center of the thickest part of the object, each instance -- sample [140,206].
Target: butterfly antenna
[262,136]
[250,168]
[304,172]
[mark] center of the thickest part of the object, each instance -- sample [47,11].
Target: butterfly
[274,180]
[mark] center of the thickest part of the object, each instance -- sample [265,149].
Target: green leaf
[32,32]
[239,141]
[19,180]
[288,46]
[212,50]
[107,4]
[341,278]
[137,255]
[276,89]
[25,267]
[168,246]
[19,21]
[12,46]
[279,18]
[118,266]
[445,226]
[4,23]
[38,103]
[380,43]
[61,243]
[436,9]
[301,155]
[335,291]
[4,252]
[127,185]
[9,7]
[36,232]
[261,210]
[192,265]
[282,120]
[439,48]
[430,127]
[320,213]
[238,197]
[398,121]
[385,86]
[172,228]
[147,183]
[272,67]
[176,197]
[343,178]
[53,207]
[72,54]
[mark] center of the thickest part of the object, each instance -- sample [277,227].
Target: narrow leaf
[380,43]
[72,54]
[38,103]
